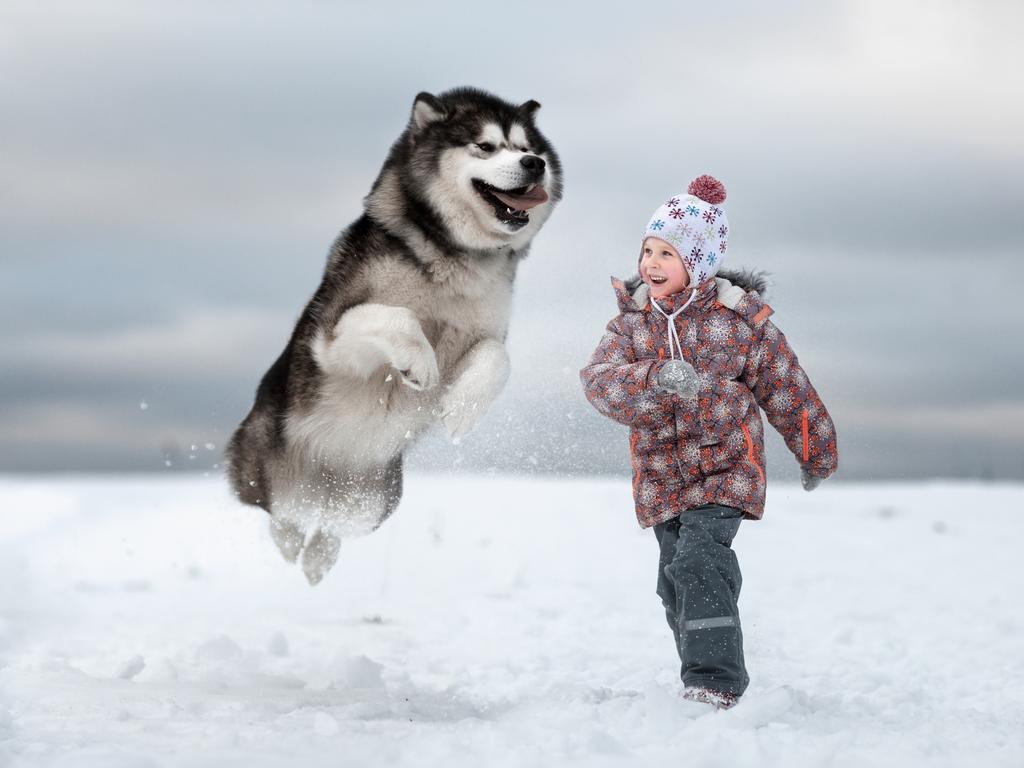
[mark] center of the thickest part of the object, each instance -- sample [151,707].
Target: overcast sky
[172,174]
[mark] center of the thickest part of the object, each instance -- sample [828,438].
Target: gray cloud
[173,177]
[207,342]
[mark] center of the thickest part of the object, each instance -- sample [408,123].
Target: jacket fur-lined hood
[732,285]
[747,279]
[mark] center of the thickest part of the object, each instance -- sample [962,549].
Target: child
[685,365]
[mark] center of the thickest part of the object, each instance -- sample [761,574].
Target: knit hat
[694,225]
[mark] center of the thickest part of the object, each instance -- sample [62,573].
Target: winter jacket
[705,449]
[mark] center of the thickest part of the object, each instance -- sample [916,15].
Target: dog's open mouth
[512,206]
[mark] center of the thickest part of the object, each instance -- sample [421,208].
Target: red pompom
[707,188]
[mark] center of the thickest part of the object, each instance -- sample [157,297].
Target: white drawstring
[673,336]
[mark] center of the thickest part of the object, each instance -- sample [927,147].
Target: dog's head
[476,167]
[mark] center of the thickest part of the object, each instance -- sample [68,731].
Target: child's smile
[662,268]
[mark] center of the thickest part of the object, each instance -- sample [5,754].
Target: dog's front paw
[463,405]
[459,416]
[485,371]
[417,365]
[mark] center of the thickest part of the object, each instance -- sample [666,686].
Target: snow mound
[502,622]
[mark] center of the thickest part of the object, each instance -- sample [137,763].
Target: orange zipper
[632,459]
[750,452]
[804,428]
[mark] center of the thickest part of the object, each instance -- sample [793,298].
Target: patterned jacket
[707,448]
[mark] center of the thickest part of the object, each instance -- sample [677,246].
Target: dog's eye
[485,147]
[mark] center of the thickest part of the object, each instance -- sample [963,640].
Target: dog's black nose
[532,163]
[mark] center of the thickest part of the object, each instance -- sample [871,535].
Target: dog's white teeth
[529,188]
[510,211]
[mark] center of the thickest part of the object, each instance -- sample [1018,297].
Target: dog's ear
[529,108]
[426,109]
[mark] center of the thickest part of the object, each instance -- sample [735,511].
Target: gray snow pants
[699,583]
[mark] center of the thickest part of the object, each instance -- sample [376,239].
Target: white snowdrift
[502,622]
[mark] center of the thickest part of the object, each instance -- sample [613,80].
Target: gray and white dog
[407,327]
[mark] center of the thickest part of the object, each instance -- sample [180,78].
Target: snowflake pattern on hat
[695,227]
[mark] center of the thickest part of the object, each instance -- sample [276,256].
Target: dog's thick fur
[407,327]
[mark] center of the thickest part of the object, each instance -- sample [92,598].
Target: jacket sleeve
[622,387]
[791,403]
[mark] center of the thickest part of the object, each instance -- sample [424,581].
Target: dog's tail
[246,470]
[257,439]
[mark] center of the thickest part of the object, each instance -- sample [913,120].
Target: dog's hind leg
[321,551]
[357,505]
[288,536]
[391,489]
[320,555]
[293,514]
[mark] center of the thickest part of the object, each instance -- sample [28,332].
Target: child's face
[662,269]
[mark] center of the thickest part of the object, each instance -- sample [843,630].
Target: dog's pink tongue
[535,196]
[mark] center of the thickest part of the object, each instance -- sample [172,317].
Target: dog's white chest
[365,412]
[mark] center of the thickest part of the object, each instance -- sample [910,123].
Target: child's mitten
[679,378]
[809,481]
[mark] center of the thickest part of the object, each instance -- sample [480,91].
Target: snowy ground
[502,622]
